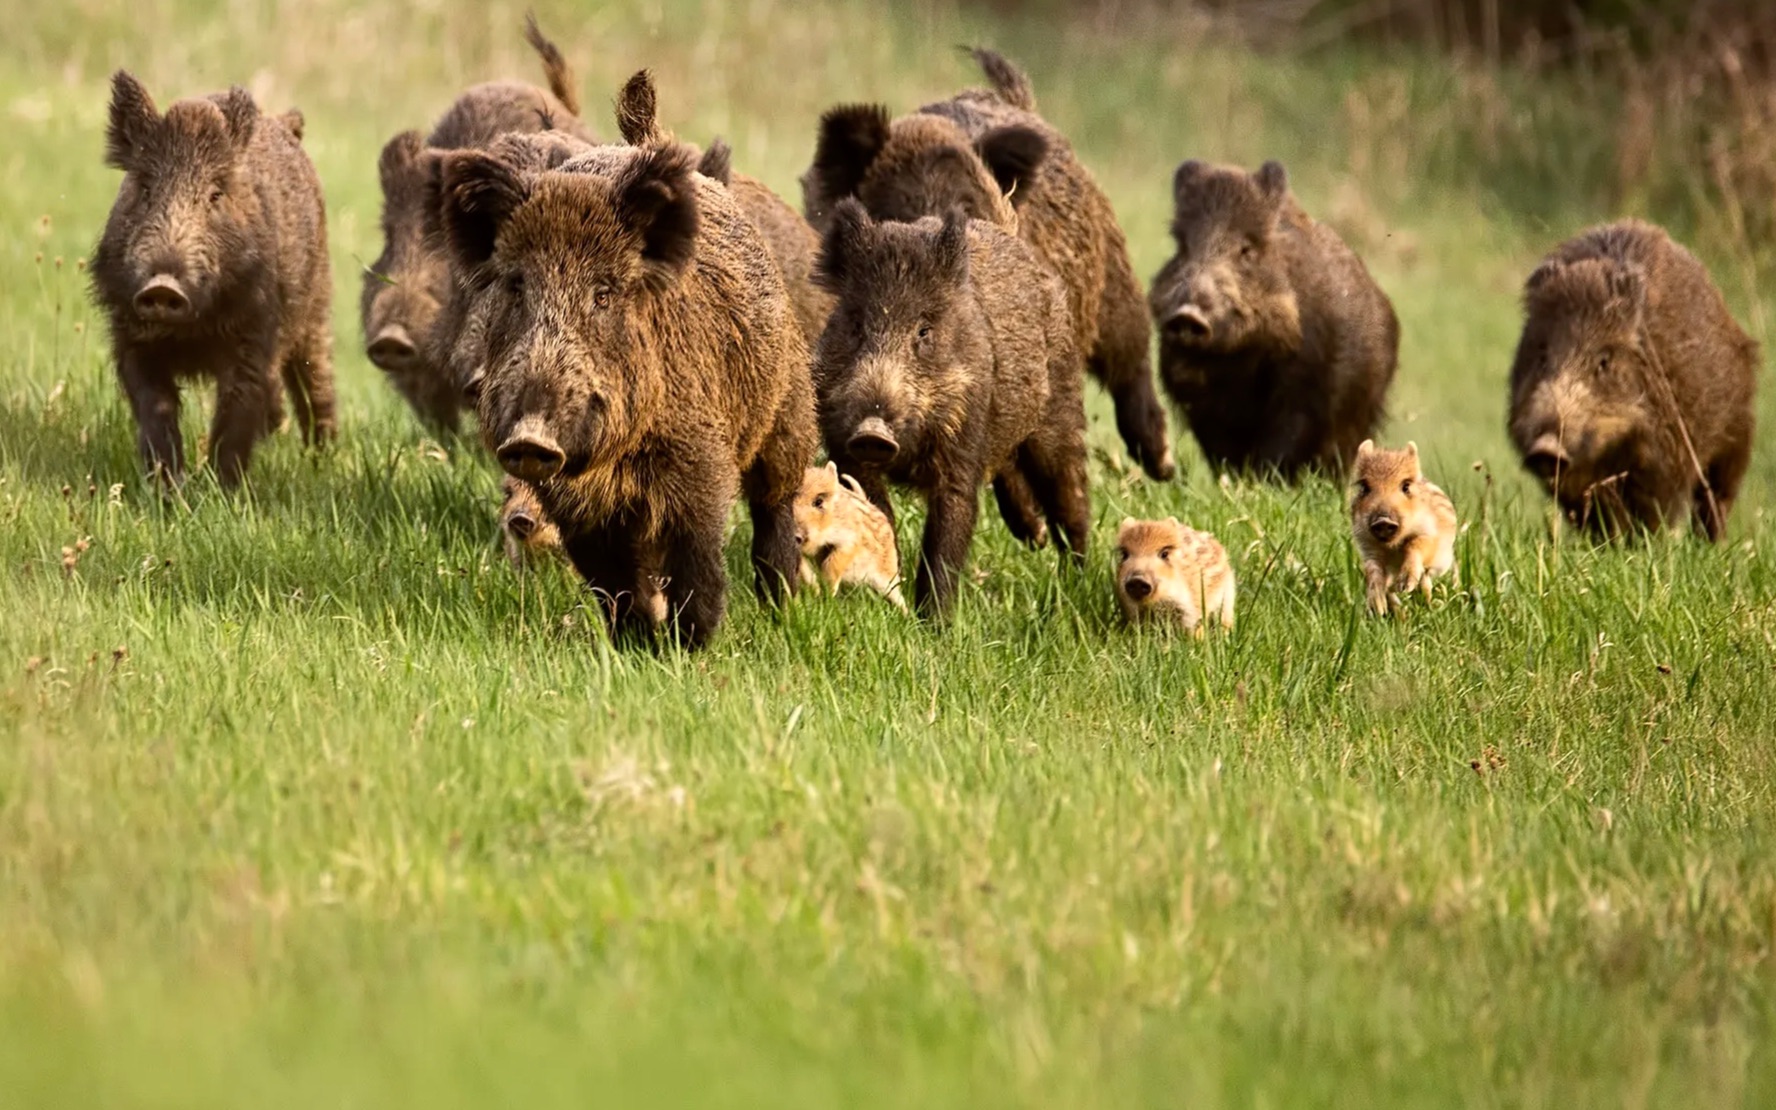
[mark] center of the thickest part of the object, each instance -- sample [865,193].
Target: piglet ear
[832,468]
[133,120]
[398,154]
[1013,154]
[1365,449]
[847,238]
[478,194]
[239,109]
[951,248]
[1412,452]
[851,136]
[1273,180]
[656,198]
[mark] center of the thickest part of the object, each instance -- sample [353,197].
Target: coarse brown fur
[988,151]
[1403,525]
[1632,389]
[213,264]
[950,360]
[1167,572]
[849,540]
[407,288]
[1275,343]
[641,369]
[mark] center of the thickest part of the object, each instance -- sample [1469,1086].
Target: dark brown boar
[1275,343]
[406,288]
[213,264]
[1631,393]
[642,369]
[950,359]
[990,152]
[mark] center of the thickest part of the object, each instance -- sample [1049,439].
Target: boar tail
[638,114]
[555,68]
[1007,79]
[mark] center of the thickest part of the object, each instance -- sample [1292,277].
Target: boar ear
[832,468]
[952,243]
[479,194]
[397,154]
[1186,176]
[846,237]
[638,111]
[717,162]
[1365,449]
[852,484]
[656,199]
[1412,451]
[1540,275]
[1013,154]
[851,136]
[1627,284]
[295,122]
[133,120]
[430,168]
[241,113]
[1273,180]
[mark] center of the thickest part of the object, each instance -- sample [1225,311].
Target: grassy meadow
[307,800]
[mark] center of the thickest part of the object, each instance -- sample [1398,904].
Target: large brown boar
[406,288]
[989,152]
[1631,393]
[949,359]
[1275,343]
[213,264]
[642,369]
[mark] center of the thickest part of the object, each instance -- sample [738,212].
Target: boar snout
[392,349]
[521,525]
[163,299]
[1189,324]
[873,442]
[530,453]
[1546,458]
[1138,587]
[1383,527]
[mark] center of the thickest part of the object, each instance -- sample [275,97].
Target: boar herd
[645,336]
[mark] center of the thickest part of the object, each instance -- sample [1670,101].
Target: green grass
[306,799]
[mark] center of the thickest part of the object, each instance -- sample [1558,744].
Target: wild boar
[1275,343]
[1404,526]
[641,369]
[989,152]
[948,359]
[1631,392]
[849,540]
[406,288]
[213,264]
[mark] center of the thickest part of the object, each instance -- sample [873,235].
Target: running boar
[214,264]
[1403,525]
[949,358]
[1167,572]
[849,539]
[1631,393]
[1275,343]
[641,369]
[406,289]
[991,153]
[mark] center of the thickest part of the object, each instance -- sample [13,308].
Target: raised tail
[637,112]
[1007,79]
[555,67]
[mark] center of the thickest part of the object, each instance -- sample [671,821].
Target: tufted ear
[1627,286]
[657,200]
[638,112]
[479,193]
[133,120]
[717,162]
[1185,177]
[239,109]
[430,167]
[951,246]
[294,120]
[851,136]
[847,238]
[1541,275]
[1013,154]
[1273,181]
[398,153]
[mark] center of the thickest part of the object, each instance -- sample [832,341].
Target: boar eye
[820,501]
[1165,554]
[601,298]
[1248,251]
[515,283]
[216,194]
[1603,362]
[924,332]
[1406,487]
[1362,488]
[1122,554]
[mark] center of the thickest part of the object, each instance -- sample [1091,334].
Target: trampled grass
[306,799]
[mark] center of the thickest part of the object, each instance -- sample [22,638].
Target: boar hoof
[392,349]
[873,442]
[162,298]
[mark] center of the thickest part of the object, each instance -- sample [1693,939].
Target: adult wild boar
[1275,343]
[406,288]
[1631,393]
[213,264]
[989,152]
[641,369]
[950,359]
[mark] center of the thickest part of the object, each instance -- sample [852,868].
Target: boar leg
[696,579]
[154,399]
[1121,363]
[875,488]
[1055,461]
[1018,507]
[248,407]
[307,369]
[1725,473]
[1376,578]
[608,561]
[949,531]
